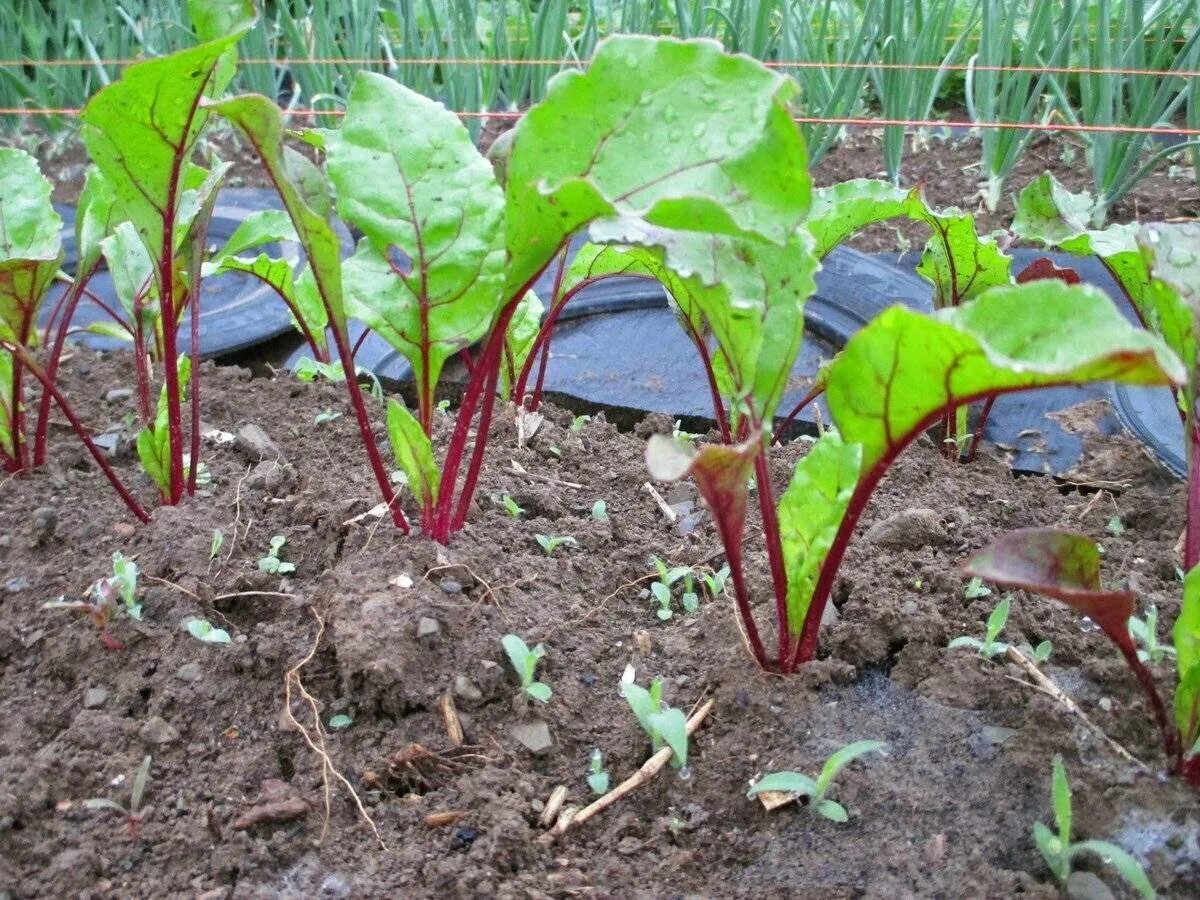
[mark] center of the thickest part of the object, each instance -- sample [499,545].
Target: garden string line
[868,122]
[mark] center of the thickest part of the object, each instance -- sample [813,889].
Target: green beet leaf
[1186,635]
[132,271]
[7,413]
[95,218]
[429,274]
[810,513]
[519,339]
[841,210]
[154,440]
[140,132]
[30,247]
[675,133]
[262,123]
[904,368]
[413,452]
[957,262]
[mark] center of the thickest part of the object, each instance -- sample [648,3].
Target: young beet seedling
[549,543]
[1059,851]
[660,590]
[597,775]
[1066,566]
[271,563]
[511,506]
[134,813]
[117,591]
[524,662]
[797,784]
[1145,632]
[663,724]
[989,646]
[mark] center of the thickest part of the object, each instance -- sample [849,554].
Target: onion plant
[1013,33]
[911,49]
[1142,36]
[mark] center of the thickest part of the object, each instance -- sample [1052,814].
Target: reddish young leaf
[1066,566]
[1045,268]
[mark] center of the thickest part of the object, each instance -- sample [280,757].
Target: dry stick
[662,504]
[292,678]
[518,469]
[649,769]
[1046,686]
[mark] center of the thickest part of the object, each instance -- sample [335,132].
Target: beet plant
[894,378]
[1066,566]
[669,144]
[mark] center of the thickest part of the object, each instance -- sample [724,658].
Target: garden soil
[380,628]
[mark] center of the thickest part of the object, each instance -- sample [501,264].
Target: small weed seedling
[976,589]
[668,577]
[511,506]
[714,582]
[597,775]
[204,631]
[549,543]
[218,541]
[524,662]
[271,563]
[663,724]
[814,790]
[1145,632]
[599,510]
[1059,851]
[134,813]
[989,646]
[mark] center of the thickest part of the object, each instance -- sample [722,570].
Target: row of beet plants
[681,164]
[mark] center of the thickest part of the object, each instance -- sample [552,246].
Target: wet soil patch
[237,795]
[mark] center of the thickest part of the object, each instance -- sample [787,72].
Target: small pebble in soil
[255,443]
[118,395]
[467,690]
[910,529]
[534,736]
[463,838]
[93,698]
[428,628]
[157,731]
[189,672]
[1087,886]
[450,586]
[16,584]
[589,679]
[45,520]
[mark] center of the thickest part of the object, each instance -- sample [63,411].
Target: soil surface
[947,166]
[379,628]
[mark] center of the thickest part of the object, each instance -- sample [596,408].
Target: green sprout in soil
[134,812]
[976,589]
[105,598]
[814,790]
[204,631]
[271,563]
[325,417]
[218,540]
[1145,632]
[989,646]
[597,775]
[340,721]
[578,423]
[1059,851]
[549,543]
[524,662]
[511,506]
[599,510]
[663,724]
[1115,526]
